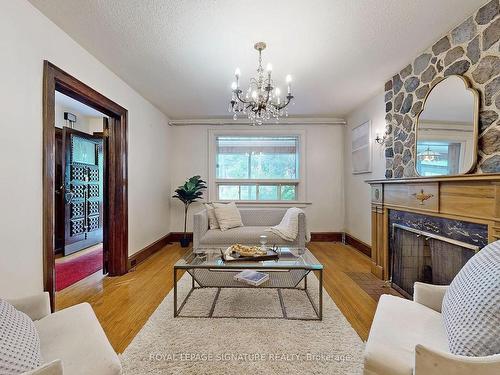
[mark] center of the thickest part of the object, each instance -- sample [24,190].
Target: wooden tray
[271,255]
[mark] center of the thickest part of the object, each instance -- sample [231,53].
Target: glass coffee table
[208,270]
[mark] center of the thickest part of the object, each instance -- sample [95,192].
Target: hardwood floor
[123,304]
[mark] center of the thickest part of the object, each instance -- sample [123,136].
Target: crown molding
[283,121]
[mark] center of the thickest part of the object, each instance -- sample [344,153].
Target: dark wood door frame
[116,182]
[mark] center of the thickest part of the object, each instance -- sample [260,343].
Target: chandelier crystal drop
[261,101]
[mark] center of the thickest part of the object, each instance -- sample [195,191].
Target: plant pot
[184,242]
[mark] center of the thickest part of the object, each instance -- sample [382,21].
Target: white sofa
[72,341]
[408,337]
[255,222]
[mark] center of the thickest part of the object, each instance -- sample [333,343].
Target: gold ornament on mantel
[422,197]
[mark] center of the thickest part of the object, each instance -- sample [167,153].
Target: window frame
[214,182]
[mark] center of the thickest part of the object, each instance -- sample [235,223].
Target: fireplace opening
[418,255]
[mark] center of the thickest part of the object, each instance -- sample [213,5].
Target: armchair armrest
[52,368]
[430,362]
[200,227]
[36,306]
[429,295]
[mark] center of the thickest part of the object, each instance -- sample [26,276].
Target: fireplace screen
[425,257]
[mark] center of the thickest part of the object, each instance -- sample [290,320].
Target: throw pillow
[19,341]
[227,215]
[212,219]
[471,305]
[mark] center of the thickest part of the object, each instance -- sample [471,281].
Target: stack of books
[251,277]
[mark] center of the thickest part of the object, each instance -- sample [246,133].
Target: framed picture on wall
[361,148]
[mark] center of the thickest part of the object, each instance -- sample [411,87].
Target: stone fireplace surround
[470,233]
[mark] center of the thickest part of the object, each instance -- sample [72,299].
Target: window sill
[269,203]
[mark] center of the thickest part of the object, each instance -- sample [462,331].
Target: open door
[83,190]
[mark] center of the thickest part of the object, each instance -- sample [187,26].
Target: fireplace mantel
[471,198]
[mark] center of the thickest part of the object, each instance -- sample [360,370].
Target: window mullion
[249,173]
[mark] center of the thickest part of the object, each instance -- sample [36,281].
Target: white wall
[357,192]
[27,39]
[324,168]
[83,123]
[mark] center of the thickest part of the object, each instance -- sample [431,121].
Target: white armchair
[72,341]
[408,337]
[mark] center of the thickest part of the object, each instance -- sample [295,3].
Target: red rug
[71,271]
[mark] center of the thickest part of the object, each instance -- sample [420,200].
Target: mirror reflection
[446,129]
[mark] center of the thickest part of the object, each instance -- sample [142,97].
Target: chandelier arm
[280,107]
[241,100]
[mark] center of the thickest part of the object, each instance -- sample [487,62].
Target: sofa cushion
[268,217]
[398,326]
[75,336]
[228,215]
[242,235]
[19,341]
[212,219]
[471,305]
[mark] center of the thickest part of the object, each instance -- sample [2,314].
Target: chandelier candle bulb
[237,74]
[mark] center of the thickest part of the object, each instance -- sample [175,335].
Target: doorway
[84,179]
[79,193]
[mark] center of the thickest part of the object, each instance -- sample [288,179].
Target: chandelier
[261,101]
[429,155]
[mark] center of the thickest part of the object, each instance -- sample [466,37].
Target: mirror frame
[475,134]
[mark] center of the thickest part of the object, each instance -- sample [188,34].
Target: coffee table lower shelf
[203,278]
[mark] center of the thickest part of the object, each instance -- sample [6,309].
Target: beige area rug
[222,345]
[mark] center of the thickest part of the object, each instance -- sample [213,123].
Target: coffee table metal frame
[230,269]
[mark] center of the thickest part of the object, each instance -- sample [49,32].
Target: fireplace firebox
[430,249]
[422,256]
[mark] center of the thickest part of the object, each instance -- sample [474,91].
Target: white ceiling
[70,103]
[181,55]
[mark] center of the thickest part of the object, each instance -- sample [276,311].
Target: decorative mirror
[446,130]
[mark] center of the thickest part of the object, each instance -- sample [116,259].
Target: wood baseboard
[152,248]
[358,244]
[326,236]
[143,254]
[176,236]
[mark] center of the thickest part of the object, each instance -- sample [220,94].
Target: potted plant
[190,192]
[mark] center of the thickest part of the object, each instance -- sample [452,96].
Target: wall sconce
[387,132]
[380,140]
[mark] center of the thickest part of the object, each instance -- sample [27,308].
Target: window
[256,167]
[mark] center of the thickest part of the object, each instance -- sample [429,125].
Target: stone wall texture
[472,49]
